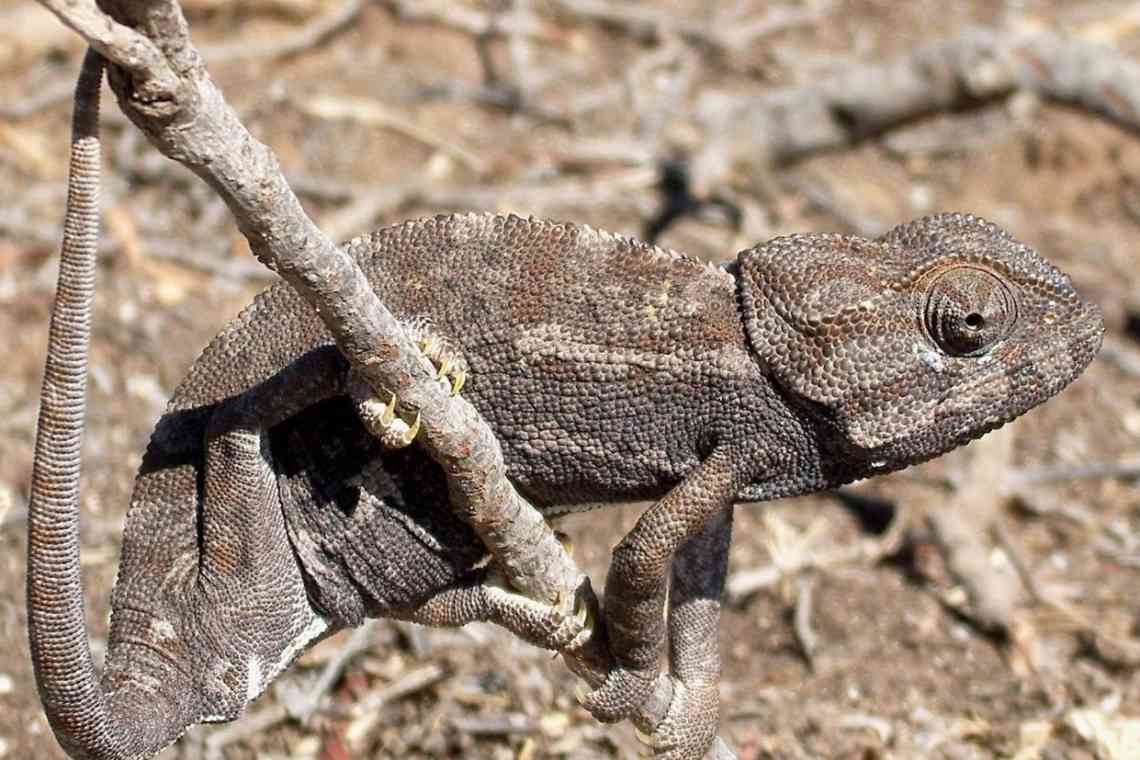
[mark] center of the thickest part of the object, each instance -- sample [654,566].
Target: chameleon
[267,514]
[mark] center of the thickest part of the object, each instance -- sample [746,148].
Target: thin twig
[1114,650]
[1128,469]
[366,205]
[372,113]
[961,529]
[228,268]
[746,582]
[304,705]
[156,80]
[801,625]
[496,725]
[474,22]
[861,722]
[650,23]
[824,199]
[303,39]
[367,709]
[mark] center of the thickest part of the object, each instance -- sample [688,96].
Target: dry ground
[899,665]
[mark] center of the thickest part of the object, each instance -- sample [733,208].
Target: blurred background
[984,605]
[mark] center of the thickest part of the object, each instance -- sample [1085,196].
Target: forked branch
[162,86]
[187,118]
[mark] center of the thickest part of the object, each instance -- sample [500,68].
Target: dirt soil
[893,662]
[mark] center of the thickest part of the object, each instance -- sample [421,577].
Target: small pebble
[128,312]
[147,388]
[6,684]
[7,500]
[309,746]
[921,198]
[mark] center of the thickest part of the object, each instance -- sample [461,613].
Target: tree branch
[201,131]
[120,45]
[861,101]
[164,89]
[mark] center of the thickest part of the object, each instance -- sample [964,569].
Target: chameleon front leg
[633,608]
[690,722]
[379,415]
[488,596]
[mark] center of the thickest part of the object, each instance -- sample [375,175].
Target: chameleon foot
[690,725]
[621,695]
[554,627]
[380,417]
[448,367]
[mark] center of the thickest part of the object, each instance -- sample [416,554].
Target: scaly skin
[609,371]
[266,515]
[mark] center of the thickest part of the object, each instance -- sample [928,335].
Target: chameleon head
[901,349]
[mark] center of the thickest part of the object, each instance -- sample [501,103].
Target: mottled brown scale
[265,515]
[907,304]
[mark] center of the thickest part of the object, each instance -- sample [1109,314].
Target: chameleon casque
[266,515]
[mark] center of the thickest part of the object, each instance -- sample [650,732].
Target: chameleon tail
[76,705]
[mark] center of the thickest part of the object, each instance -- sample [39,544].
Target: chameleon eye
[968,310]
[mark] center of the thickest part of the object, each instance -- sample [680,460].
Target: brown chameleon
[266,515]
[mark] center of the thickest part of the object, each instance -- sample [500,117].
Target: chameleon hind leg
[250,607]
[379,415]
[688,725]
[483,597]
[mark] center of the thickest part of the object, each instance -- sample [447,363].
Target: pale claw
[431,346]
[566,541]
[458,380]
[389,412]
[399,434]
[376,415]
[447,371]
[584,614]
[381,420]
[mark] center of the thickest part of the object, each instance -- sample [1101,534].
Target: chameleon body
[609,371]
[265,515]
